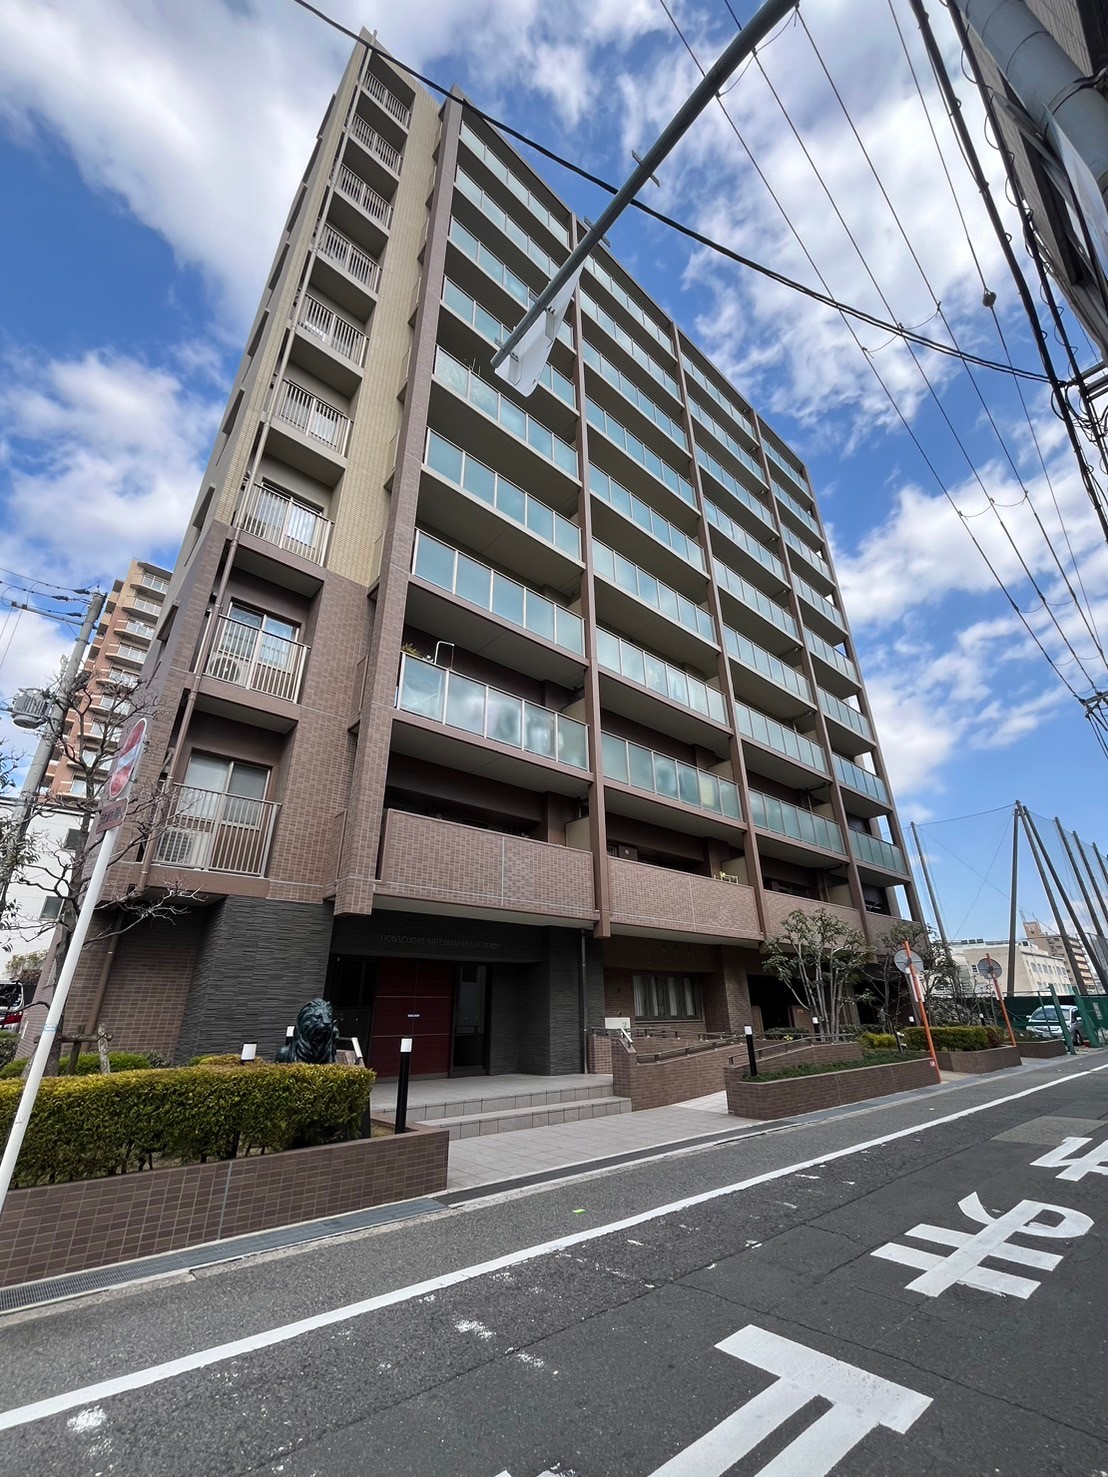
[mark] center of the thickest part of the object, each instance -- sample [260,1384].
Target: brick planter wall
[599,1053]
[655,1079]
[53,1229]
[790,1096]
[1035,1049]
[996,1059]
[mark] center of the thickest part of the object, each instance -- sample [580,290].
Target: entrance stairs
[475,1106]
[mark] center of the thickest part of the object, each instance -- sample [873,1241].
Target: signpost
[992,971]
[908,962]
[113,810]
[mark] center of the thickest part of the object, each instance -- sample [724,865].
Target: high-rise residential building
[1048,942]
[489,718]
[1066,201]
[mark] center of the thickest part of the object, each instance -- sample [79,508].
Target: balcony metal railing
[372,141]
[778,736]
[644,769]
[253,658]
[749,654]
[388,100]
[830,654]
[211,831]
[857,778]
[326,325]
[738,535]
[458,702]
[646,587]
[877,853]
[788,820]
[313,416]
[281,520]
[466,472]
[753,598]
[619,655]
[364,196]
[843,713]
[349,258]
[659,528]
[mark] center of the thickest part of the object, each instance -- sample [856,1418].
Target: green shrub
[230,1059]
[871,1059]
[8,1042]
[948,1038]
[120,1061]
[87,1127]
[12,1069]
[877,1041]
[996,1036]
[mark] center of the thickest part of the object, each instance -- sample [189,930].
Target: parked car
[1045,1022]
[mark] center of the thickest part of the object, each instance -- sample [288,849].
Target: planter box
[53,1229]
[790,1096]
[1031,1050]
[996,1059]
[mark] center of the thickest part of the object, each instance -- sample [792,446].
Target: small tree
[948,999]
[818,957]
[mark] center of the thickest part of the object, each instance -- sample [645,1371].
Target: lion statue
[315,1035]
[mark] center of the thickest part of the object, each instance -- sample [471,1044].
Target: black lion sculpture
[315,1035]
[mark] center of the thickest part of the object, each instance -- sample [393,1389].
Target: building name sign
[422,941]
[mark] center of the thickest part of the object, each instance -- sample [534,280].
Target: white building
[1036,970]
[35,901]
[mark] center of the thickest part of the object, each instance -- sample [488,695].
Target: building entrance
[382,1000]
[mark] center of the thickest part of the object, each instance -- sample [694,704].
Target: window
[243,783]
[73,838]
[666,997]
[51,907]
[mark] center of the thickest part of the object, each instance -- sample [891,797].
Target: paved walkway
[507,1156]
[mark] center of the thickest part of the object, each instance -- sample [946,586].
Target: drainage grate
[210,1254]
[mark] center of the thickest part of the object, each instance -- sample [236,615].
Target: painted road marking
[1094,1162]
[963,1264]
[155,1374]
[860,1402]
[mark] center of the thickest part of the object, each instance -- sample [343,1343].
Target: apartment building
[1049,942]
[490,718]
[1036,969]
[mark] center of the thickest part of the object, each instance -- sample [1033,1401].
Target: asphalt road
[757,1307]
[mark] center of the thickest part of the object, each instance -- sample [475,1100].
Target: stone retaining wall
[789,1096]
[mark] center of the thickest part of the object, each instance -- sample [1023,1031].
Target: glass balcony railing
[631,661]
[465,471]
[363,195]
[877,853]
[373,143]
[658,774]
[643,585]
[749,654]
[496,166]
[788,820]
[753,598]
[740,493]
[667,533]
[777,736]
[793,473]
[470,580]
[472,707]
[814,558]
[754,547]
[629,343]
[827,608]
[449,371]
[635,310]
[725,403]
[724,436]
[489,263]
[351,259]
[630,391]
[830,654]
[490,327]
[786,499]
[601,421]
[833,707]
[505,223]
[862,780]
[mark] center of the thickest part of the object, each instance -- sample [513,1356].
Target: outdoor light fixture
[748,1032]
[249,1051]
[401,1121]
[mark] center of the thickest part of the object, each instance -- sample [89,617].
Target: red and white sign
[113,803]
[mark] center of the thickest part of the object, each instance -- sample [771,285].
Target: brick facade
[996,1059]
[790,1096]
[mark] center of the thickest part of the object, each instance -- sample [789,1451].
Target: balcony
[672,782]
[629,344]
[280,520]
[372,142]
[630,305]
[639,454]
[345,339]
[799,512]
[822,609]
[779,688]
[211,831]
[371,213]
[793,748]
[744,542]
[725,403]
[248,657]
[493,331]
[629,391]
[790,821]
[347,273]
[435,866]
[779,905]
[487,267]
[779,626]
[657,530]
[529,435]
[148,581]
[484,205]
[312,416]
[852,730]
[659,676]
[793,473]
[654,901]
[388,100]
[745,458]
[814,559]
[476,710]
[507,177]
[874,855]
[841,672]
[638,603]
[864,783]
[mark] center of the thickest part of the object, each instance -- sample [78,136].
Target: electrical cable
[985,881]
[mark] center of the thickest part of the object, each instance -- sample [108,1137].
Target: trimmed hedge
[12,1069]
[8,1043]
[949,1038]
[881,1058]
[877,1041]
[120,1061]
[88,1127]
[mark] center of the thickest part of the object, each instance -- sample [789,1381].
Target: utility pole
[1013,905]
[55,722]
[930,888]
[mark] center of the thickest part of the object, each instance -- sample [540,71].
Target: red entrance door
[414,997]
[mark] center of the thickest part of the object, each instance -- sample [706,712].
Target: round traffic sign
[989,967]
[126,761]
[905,960]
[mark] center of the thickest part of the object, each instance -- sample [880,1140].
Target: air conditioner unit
[177,848]
[226,668]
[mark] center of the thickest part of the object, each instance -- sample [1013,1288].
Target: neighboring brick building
[489,717]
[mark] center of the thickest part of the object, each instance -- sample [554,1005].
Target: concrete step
[473,1103]
[505,1120]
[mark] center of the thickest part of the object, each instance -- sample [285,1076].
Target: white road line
[155,1374]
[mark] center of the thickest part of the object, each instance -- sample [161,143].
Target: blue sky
[148,153]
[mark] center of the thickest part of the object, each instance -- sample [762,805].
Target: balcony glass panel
[490,327]
[830,654]
[629,343]
[778,736]
[740,493]
[722,434]
[471,580]
[749,654]
[787,500]
[752,597]
[457,466]
[658,774]
[788,820]
[474,389]
[490,263]
[819,602]
[653,523]
[638,582]
[540,736]
[849,717]
[877,853]
[600,273]
[857,778]
[813,557]
[786,466]
[724,402]
[422,689]
[496,165]
[630,661]
[504,222]
[630,391]
[600,420]
[738,535]
[465,703]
